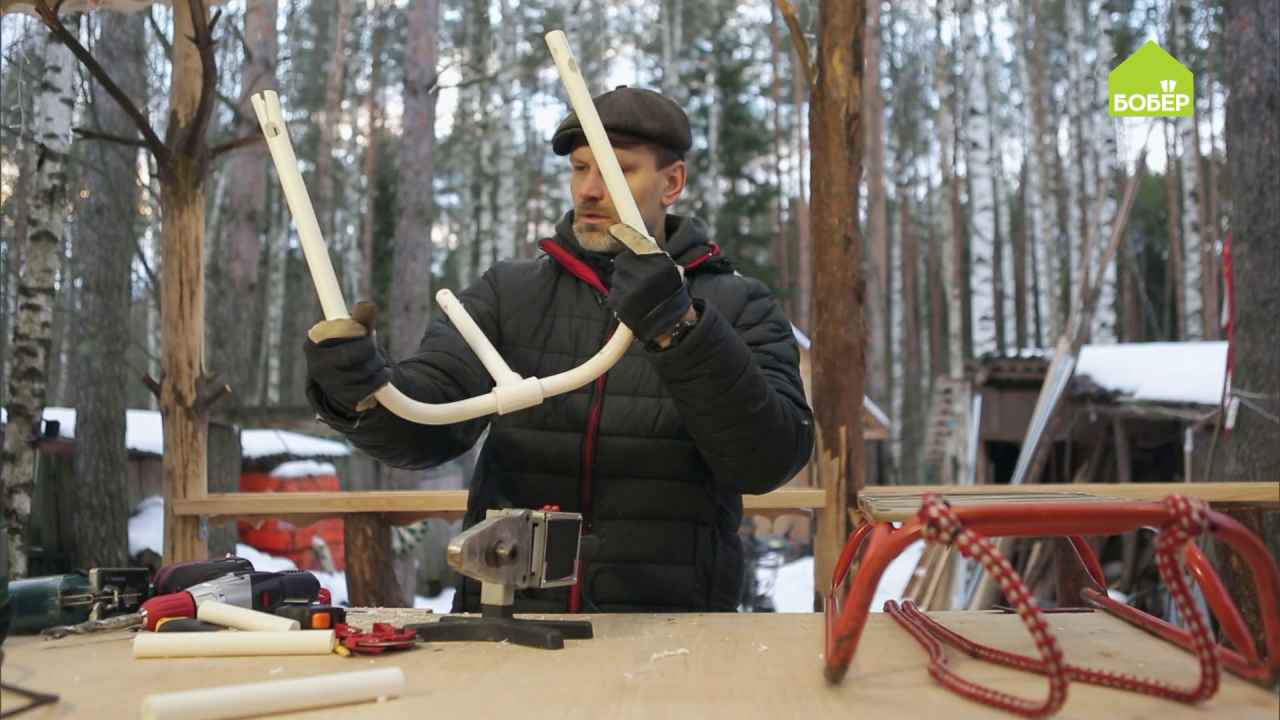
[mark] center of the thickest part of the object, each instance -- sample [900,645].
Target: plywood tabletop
[652,666]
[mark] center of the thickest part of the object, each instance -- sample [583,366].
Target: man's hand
[343,359]
[648,293]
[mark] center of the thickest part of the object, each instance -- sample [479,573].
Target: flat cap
[631,115]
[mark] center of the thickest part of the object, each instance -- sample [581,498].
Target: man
[705,406]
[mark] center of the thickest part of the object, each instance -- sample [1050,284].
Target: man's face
[654,190]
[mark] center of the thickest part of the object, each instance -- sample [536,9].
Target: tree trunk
[1189,167]
[1252,449]
[411,290]
[100,511]
[1104,150]
[1018,237]
[977,132]
[781,246]
[237,345]
[328,193]
[877,266]
[371,579]
[952,250]
[839,334]
[938,365]
[34,319]
[804,225]
[360,259]
[912,417]
[1174,277]
[1048,235]
[182,203]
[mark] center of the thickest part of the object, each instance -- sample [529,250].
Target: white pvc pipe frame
[511,392]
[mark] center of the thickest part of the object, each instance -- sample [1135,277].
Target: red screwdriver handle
[179,604]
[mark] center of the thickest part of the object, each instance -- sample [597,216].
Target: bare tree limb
[800,42]
[159,31]
[49,15]
[203,41]
[236,144]
[152,384]
[88,134]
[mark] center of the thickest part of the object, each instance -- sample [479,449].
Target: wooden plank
[656,666]
[407,505]
[898,503]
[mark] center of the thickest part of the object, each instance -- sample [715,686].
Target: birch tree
[1189,169]
[33,321]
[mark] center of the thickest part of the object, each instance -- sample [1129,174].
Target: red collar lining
[583,272]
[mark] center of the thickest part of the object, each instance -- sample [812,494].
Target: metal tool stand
[508,550]
[498,624]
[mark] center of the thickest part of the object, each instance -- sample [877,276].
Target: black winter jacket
[656,454]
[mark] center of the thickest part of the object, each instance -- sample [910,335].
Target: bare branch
[208,76]
[209,391]
[159,31]
[798,40]
[152,384]
[236,144]
[50,18]
[88,134]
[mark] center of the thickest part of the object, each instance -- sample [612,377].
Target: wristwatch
[682,328]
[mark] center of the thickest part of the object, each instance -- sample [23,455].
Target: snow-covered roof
[303,468]
[1166,372]
[265,443]
[144,433]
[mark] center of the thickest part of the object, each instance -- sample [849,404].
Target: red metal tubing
[846,620]
[1230,659]
[1090,560]
[885,544]
[1219,600]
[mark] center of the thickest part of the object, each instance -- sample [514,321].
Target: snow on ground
[1186,372]
[303,468]
[793,588]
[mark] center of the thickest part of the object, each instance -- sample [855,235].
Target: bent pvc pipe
[279,696]
[511,392]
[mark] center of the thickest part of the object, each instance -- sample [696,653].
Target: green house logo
[1151,83]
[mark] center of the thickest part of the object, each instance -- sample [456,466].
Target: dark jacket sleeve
[736,382]
[444,369]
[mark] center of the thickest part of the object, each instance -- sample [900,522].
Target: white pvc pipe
[597,138]
[511,392]
[233,616]
[476,339]
[267,106]
[230,643]
[278,696]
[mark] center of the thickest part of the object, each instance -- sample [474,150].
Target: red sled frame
[880,543]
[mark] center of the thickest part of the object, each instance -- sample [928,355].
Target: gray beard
[597,241]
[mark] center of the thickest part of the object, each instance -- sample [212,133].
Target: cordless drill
[255,590]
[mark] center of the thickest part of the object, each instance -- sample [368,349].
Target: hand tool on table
[509,550]
[255,590]
[40,602]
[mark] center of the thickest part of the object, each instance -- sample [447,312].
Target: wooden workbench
[652,666]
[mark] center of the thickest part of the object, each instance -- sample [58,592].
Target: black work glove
[344,361]
[648,293]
